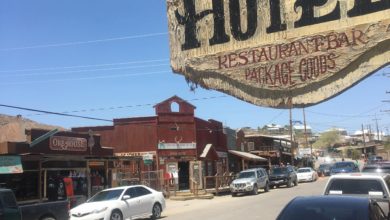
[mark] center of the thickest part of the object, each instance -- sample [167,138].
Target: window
[175,107]
[142,191]
[251,146]
[355,186]
[8,200]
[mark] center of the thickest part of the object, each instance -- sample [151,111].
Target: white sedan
[128,202]
[306,174]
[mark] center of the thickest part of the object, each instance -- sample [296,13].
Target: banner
[278,53]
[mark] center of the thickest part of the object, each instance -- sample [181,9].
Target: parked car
[344,167]
[119,203]
[306,174]
[370,185]
[374,159]
[250,181]
[324,169]
[10,209]
[379,167]
[280,176]
[331,207]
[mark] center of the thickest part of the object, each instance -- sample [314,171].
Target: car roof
[252,169]
[305,168]
[331,199]
[304,207]
[344,162]
[359,176]
[122,187]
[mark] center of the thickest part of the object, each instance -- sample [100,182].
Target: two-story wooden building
[182,145]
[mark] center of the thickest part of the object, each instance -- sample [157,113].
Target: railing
[218,183]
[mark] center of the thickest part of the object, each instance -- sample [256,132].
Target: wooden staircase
[187,195]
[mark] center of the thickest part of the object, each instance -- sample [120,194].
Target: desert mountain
[12,128]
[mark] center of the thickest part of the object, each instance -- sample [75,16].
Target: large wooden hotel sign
[279,53]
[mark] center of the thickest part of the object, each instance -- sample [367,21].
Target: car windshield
[303,171]
[355,186]
[279,170]
[342,165]
[246,175]
[324,166]
[106,195]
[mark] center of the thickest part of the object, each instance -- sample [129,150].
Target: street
[262,206]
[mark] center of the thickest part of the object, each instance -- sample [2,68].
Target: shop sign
[222,154]
[61,143]
[10,164]
[134,154]
[176,146]
[303,151]
[278,53]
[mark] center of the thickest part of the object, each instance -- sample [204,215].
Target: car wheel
[156,211]
[48,218]
[234,194]
[255,190]
[266,188]
[116,215]
[289,183]
[296,182]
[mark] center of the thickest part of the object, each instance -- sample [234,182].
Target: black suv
[280,176]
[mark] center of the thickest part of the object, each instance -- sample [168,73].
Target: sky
[110,59]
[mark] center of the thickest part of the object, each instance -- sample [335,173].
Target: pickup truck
[370,185]
[11,210]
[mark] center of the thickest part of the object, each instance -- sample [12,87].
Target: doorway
[184,173]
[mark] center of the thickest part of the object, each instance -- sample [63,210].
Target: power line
[133,106]
[53,113]
[85,42]
[83,71]
[84,66]
[86,78]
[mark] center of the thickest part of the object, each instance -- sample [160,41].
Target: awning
[247,156]
[206,150]
[209,152]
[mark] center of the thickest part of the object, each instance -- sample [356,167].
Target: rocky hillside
[12,127]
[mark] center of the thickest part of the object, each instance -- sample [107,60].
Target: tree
[327,140]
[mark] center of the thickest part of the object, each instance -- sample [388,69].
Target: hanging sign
[278,53]
[10,165]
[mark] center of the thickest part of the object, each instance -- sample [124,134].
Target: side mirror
[125,197]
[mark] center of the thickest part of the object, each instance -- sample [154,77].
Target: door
[172,169]
[196,173]
[133,205]
[146,199]
[8,207]
[184,175]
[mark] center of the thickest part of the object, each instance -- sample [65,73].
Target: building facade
[184,147]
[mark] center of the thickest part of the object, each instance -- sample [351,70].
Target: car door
[261,178]
[9,209]
[146,200]
[132,206]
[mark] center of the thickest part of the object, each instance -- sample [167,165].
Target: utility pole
[377,128]
[364,140]
[291,133]
[306,142]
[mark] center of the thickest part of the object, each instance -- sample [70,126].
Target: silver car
[250,181]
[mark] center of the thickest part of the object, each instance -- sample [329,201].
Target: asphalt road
[264,206]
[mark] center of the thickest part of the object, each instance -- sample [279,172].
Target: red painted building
[181,144]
